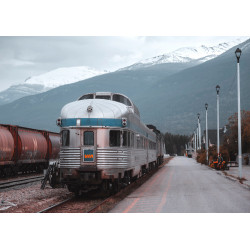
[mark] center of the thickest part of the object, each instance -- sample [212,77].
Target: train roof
[94,108]
[116,97]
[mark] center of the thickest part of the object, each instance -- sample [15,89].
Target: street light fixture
[238,54]
[206,106]
[218,89]
[218,129]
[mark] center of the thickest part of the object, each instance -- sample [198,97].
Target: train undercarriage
[82,182]
[13,170]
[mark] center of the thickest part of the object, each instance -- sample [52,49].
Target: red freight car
[54,146]
[25,149]
[6,146]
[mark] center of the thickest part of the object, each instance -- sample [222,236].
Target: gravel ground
[77,205]
[30,198]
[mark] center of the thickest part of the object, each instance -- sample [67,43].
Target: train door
[89,142]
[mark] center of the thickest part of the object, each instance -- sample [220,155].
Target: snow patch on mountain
[62,76]
[18,91]
[187,54]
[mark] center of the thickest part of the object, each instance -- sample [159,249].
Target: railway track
[90,205]
[98,207]
[75,205]
[14,183]
[48,209]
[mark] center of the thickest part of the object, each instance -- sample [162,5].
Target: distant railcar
[26,149]
[104,144]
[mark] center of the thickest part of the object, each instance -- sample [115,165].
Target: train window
[118,98]
[128,102]
[128,139]
[121,99]
[136,110]
[65,138]
[132,139]
[106,97]
[139,142]
[125,139]
[89,138]
[84,97]
[152,145]
[114,138]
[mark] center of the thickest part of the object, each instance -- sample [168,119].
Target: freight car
[25,149]
[104,144]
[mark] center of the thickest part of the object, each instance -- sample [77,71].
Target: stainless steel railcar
[104,144]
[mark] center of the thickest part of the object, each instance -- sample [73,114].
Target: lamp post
[199,131]
[218,129]
[197,138]
[206,106]
[194,142]
[238,54]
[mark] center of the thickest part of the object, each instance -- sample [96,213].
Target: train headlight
[78,122]
[59,122]
[89,108]
[124,122]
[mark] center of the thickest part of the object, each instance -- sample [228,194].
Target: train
[26,150]
[104,143]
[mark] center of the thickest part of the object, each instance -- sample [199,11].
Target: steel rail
[14,183]
[96,207]
[55,205]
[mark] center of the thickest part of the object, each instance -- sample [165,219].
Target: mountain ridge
[168,99]
[198,55]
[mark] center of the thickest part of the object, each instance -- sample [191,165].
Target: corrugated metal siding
[70,158]
[109,158]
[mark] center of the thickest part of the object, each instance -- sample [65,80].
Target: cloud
[22,57]
[17,63]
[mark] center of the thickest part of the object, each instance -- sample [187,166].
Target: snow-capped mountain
[178,60]
[188,54]
[44,82]
[18,91]
[62,76]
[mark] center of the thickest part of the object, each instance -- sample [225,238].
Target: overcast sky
[22,57]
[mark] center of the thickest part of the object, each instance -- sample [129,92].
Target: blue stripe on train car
[104,122]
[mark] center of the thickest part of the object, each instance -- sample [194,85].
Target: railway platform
[183,185]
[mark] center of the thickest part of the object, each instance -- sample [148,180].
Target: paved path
[186,186]
[234,171]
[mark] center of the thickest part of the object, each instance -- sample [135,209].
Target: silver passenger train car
[104,144]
